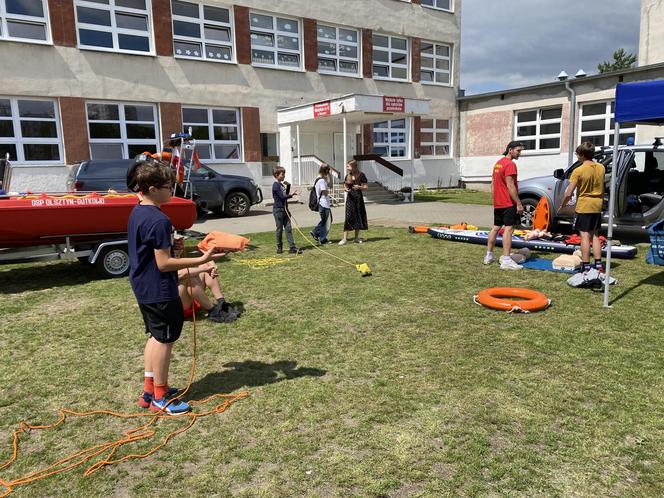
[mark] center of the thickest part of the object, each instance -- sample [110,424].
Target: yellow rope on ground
[260,263]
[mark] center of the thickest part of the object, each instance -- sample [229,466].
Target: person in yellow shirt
[588,181]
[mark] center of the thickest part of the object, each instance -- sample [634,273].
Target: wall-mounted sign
[322,109]
[394,104]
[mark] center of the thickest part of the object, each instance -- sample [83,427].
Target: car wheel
[237,204]
[113,261]
[526,219]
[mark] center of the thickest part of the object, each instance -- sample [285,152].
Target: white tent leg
[345,142]
[609,231]
[411,139]
[299,157]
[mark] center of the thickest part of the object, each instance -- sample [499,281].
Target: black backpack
[314,200]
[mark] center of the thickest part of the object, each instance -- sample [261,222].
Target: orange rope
[139,433]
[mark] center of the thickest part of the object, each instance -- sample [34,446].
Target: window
[29,131]
[596,124]
[435,137]
[338,50]
[390,138]
[438,4]
[275,41]
[539,129]
[202,32]
[390,57]
[217,133]
[114,25]
[121,131]
[436,63]
[24,20]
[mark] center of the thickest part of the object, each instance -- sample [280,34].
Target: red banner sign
[394,104]
[322,109]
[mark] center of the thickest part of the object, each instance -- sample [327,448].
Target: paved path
[260,219]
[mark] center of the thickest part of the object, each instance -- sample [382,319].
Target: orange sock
[160,391]
[148,383]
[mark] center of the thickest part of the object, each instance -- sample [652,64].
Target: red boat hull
[48,219]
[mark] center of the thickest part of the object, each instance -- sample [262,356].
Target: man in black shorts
[506,206]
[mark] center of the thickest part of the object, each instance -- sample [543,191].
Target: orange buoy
[542,216]
[503,299]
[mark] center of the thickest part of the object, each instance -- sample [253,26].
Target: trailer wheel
[113,261]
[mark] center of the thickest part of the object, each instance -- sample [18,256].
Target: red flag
[196,162]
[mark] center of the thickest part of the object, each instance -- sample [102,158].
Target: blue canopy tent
[642,103]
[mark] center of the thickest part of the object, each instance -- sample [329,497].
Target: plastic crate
[656,252]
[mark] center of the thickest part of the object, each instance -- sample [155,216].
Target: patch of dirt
[444,470]
[407,490]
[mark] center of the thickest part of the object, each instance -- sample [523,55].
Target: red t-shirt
[501,196]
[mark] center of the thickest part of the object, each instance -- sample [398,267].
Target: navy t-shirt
[150,229]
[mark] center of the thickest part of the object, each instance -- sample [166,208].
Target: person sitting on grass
[192,286]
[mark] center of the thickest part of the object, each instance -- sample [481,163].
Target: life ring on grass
[527,300]
[542,215]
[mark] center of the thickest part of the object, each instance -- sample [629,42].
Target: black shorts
[163,321]
[505,217]
[587,222]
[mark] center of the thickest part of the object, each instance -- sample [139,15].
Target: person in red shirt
[506,206]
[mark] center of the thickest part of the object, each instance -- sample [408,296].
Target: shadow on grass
[656,279]
[249,374]
[42,277]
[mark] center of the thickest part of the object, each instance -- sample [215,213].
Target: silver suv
[639,182]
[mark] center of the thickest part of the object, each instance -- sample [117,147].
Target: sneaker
[175,407]
[280,250]
[489,258]
[145,399]
[343,242]
[507,263]
[359,240]
[295,250]
[313,234]
[326,241]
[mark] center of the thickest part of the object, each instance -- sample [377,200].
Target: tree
[621,60]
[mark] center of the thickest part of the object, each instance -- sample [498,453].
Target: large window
[390,138]
[202,32]
[114,25]
[436,63]
[539,129]
[338,50]
[121,130]
[275,41]
[435,137]
[596,124]
[24,20]
[390,57]
[217,133]
[438,4]
[29,131]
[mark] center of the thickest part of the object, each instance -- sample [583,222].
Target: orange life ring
[528,300]
[542,215]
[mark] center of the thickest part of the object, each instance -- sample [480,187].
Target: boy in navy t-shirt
[280,195]
[153,277]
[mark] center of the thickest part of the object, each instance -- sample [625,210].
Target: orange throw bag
[223,241]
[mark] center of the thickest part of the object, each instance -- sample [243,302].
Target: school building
[295,82]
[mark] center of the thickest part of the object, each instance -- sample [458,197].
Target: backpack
[314,200]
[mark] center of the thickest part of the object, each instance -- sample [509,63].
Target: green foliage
[621,60]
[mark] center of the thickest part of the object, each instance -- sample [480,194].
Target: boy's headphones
[139,160]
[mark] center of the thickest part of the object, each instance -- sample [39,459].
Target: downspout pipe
[572,117]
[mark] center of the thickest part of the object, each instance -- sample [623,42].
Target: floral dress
[356,213]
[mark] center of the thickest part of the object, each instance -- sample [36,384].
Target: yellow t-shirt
[589,187]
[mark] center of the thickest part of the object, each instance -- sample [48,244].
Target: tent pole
[612,203]
[411,140]
[299,158]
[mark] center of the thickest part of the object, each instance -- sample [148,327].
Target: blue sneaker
[145,399]
[175,407]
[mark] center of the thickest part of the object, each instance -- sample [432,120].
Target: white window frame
[337,58]
[436,131]
[123,140]
[113,29]
[5,16]
[202,22]
[435,6]
[390,130]
[608,130]
[538,123]
[390,64]
[275,33]
[212,142]
[434,58]
[18,139]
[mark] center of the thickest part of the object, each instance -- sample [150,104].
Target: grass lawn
[390,385]
[457,195]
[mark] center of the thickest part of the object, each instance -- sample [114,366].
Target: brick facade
[242,35]
[251,134]
[488,132]
[417,137]
[367,139]
[170,116]
[367,53]
[163,27]
[417,60]
[63,22]
[310,45]
[74,129]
